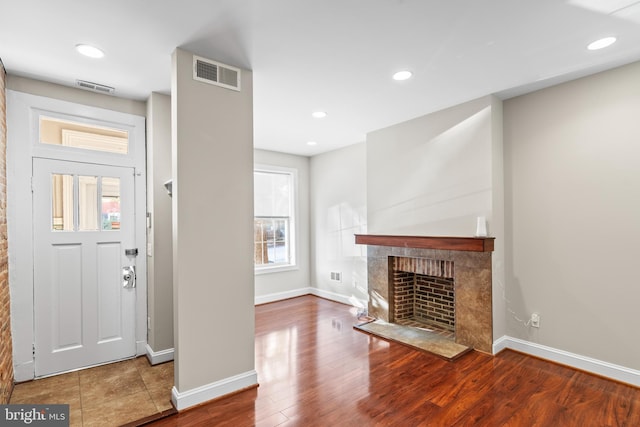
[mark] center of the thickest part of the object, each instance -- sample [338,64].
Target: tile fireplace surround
[471,258]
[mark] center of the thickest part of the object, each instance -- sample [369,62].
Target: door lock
[129,276]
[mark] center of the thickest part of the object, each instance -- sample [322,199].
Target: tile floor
[108,395]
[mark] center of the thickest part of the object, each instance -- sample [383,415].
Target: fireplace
[456,269]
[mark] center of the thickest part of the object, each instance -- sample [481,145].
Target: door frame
[23,112]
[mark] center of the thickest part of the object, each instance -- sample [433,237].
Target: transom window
[79,135]
[274,220]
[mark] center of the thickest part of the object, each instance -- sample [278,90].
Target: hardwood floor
[314,369]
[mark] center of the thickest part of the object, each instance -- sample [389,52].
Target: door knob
[129,276]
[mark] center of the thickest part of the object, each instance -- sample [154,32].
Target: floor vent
[215,73]
[96,87]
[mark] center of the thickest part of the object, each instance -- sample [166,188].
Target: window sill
[275,269]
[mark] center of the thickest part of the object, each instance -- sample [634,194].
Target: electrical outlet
[535,320]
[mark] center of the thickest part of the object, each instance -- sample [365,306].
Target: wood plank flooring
[314,369]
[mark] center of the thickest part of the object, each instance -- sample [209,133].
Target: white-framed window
[274,222]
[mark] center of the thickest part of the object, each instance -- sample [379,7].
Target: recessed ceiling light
[319,114]
[312,143]
[602,43]
[402,75]
[90,51]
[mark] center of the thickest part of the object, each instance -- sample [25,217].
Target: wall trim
[198,395]
[583,363]
[344,299]
[24,371]
[309,290]
[279,296]
[160,356]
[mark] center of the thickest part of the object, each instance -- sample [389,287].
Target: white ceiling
[332,55]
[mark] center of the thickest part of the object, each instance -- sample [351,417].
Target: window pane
[88,203]
[62,201]
[110,203]
[272,193]
[79,135]
[261,255]
[271,241]
[278,249]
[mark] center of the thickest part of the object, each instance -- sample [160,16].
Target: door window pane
[88,203]
[110,203]
[62,202]
[80,135]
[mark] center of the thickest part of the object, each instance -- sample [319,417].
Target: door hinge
[33,348]
[32,184]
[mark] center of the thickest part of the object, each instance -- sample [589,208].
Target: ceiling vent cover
[215,73]
[95,87]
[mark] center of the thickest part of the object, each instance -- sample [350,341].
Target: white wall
[573,215]
[338,212]
[212,146]
[159,235]
[284,284]
[432,175]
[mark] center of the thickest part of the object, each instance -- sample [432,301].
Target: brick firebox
[422,295]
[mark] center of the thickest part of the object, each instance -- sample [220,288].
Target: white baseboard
[584,363]
[278,296]
[333,296]
[161,356]
[196,396]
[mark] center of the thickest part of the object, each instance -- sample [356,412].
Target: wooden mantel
[472,244]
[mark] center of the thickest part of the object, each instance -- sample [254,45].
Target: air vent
[96,87]
[215,73]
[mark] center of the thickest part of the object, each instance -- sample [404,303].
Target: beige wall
[212,145]
[159,235]
[271,284]
[573,215]
[80,96]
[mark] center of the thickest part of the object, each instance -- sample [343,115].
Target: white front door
[83,219]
